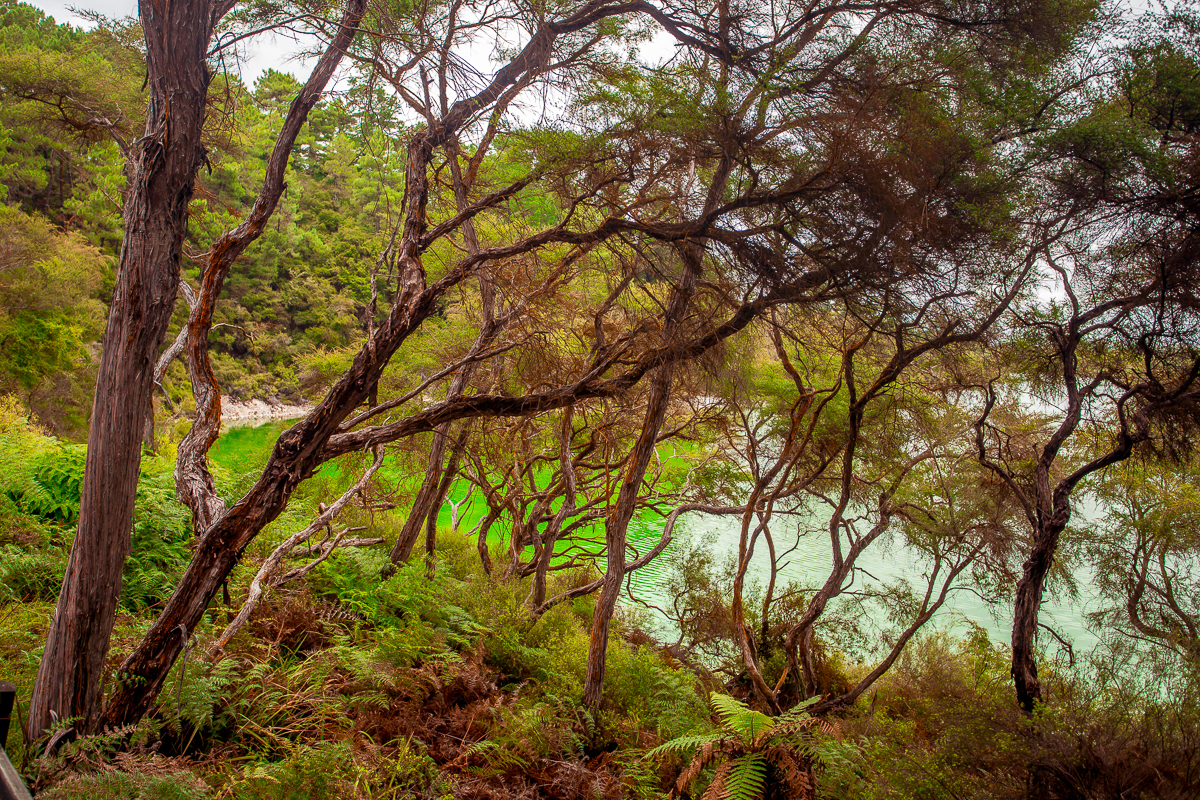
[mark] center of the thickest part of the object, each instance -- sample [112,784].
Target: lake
[245,447]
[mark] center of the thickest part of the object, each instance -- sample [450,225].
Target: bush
[942,723]
[641,687]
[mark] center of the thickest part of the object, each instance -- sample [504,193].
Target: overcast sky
[264,52]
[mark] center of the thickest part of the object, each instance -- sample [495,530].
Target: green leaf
[739,717]
[746,778]
[685,743]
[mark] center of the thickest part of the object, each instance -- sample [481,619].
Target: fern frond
[482,746]
[745,779]
[704,756]
[497,758]
[790,729]
[684,743]
[716,789]
[739,717]
[798,711]
[795,770]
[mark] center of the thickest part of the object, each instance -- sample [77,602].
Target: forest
[697,399]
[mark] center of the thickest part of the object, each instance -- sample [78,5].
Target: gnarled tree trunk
[165,161]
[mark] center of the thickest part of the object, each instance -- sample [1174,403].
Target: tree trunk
[566,466]
[165,163]
[616,528]
[439,500]
[429,497]
[616,531]
[1025,613]
[182,34]
[426,497]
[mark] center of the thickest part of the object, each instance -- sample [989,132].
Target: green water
[245,448]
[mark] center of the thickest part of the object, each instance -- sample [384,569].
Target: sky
[271,51]
[263,53]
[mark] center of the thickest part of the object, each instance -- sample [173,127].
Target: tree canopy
[920,274]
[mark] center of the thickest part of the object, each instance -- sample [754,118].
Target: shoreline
[259,410]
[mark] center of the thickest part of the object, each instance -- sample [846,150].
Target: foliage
[942,725]
[68,96]
[1145,559]
[57,478]
[309,771]
[162,531]
[758,756]
[909,184]
[119,785]
[41,479]
[50,312]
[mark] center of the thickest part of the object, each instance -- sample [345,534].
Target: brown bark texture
[616,527]
[128,702]
[166,159]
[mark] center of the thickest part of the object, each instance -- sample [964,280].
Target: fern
[749,742]
[798,711]
[49,488]
[739,717]
[201,693]
[497,759]
[26,576]
[161,532]
[745,779]
[683,744]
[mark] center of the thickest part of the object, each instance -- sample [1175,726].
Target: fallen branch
[326,550]
[353,541]
[263,580]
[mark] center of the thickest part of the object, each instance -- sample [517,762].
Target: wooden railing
[11,785]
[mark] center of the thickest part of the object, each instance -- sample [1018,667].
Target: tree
[162,167]
[71,100]
[49,313]
[1114,362]
[1145,557]
[769,167]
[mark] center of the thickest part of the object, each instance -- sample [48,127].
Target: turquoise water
[809,565]
[245,447]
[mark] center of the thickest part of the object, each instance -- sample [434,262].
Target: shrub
[941,723]
[640,686]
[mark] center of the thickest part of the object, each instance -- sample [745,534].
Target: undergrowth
[355,686]
[351,685]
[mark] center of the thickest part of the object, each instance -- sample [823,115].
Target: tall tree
[162,172]
[1113,355]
